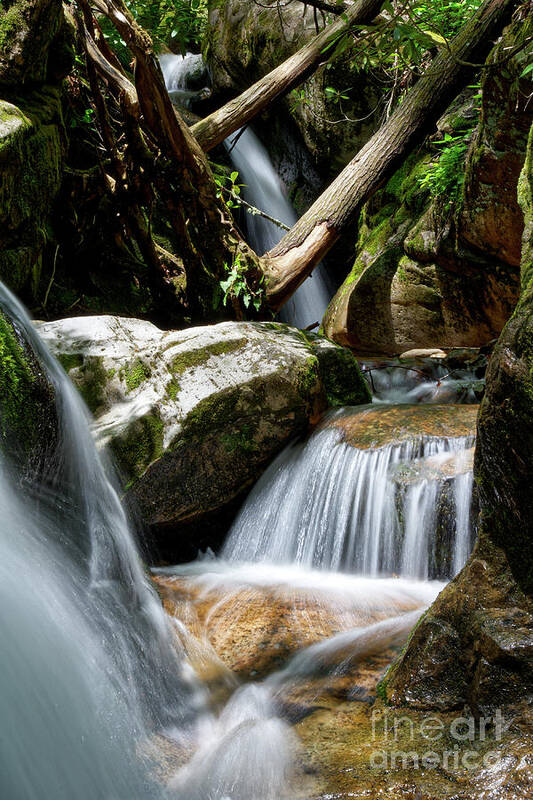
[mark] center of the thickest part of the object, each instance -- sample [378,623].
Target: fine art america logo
[463,743]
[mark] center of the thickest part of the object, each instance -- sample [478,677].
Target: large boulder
[194,416]
[35,54]
[475,645]
[443,269]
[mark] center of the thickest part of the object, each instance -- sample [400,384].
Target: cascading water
[185,77]
[263,190]
[88,664]
[326,504]
[91,670]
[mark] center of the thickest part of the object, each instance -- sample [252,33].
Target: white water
[89,666]
[427,380]
[325,504]
[263,190]
[185,77]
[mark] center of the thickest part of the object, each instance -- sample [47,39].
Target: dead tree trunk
[300,250]
[221,123]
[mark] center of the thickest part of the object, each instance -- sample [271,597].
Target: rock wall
[430,272]
[34,57]
[475,644]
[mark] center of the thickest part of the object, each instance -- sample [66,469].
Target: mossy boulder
[28,417]
[28,28]
[35,54]
[475,645]
[194,416]
[430,272]
[32,144]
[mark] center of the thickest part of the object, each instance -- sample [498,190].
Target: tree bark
[288,264]
[238,112]
[178,170]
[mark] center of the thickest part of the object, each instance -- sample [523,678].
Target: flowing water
[325,504]
[263,190]
[90,667]
[185,77]
[330,562]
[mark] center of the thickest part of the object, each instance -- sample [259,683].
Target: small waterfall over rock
[185,77]
[262,189]
[348,499]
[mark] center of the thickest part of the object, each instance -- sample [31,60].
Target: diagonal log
[238,112]
[337,209]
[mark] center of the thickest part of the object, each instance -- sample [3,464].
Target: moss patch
[15,377]
[140,446]
[135,374]
[195,358]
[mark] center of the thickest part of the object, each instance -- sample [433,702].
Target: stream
[340,547]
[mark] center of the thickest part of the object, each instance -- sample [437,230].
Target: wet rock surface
[377,426]
[346,734]
[475,645]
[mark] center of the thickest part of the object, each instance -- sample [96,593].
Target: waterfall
[326,504]
[263,190]
[88,665]
[185,77]
[91,669]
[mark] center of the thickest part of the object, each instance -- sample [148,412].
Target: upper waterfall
[263,189]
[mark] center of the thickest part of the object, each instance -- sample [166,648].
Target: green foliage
[236,286]
[445,17]
[227,187]
[399,46]
[15,375]
[445,177]
[178,24]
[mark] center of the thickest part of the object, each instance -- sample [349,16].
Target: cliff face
[34,57]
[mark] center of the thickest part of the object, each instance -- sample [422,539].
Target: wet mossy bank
[35,54]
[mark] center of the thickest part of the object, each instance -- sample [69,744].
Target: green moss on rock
[135,374]
[15,377]
[196,358]
[140,446]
